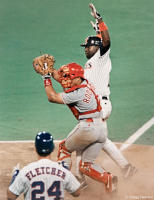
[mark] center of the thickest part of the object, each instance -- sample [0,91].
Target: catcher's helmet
[44,143]
[69,72]
[92,41]
[75,70]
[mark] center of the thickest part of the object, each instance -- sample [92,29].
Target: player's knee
[63,152]
[64,156]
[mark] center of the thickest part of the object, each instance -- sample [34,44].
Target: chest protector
[75,112]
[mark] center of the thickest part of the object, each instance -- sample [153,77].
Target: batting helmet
[92,41]
[44,143]
[69,72]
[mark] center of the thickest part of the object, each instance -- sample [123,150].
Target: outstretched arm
[100,27]
[44,65]
[51,93]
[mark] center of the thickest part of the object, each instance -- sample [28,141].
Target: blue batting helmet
[44,143]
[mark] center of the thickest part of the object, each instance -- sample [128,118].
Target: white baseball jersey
[97,71]
[44,179]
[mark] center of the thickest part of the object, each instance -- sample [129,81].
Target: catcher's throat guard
[69,72]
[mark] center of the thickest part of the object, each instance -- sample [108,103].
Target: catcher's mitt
[44,64]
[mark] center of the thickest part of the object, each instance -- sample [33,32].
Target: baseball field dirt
[139,187]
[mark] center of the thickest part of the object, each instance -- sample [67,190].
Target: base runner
[97,71]
[43,179]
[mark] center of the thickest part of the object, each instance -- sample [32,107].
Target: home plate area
[138,187]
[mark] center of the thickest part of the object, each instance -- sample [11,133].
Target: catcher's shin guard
[107,178]
[64,156]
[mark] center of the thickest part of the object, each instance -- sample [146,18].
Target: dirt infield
[139,187]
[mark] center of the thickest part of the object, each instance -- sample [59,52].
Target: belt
[89,120]
[104,97]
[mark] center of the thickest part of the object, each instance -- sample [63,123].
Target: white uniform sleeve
[18,186]
[72,184]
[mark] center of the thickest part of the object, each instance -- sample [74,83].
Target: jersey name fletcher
[45,170]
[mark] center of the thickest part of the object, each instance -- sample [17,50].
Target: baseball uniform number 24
[39,188]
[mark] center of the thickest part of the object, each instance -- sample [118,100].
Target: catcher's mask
[92,41]
[69,72]
[44,143]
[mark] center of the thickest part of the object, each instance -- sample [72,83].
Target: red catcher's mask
[69,72]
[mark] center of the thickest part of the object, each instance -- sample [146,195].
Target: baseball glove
[44,64]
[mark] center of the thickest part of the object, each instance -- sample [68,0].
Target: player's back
[43,179]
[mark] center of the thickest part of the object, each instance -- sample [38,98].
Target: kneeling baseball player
[80,97]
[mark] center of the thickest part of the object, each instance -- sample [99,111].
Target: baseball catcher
[80,97]
[44,64]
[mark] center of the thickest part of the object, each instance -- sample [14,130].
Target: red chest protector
[75,112]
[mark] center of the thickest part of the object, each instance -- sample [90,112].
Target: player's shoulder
[51,163]
[104,53]
[65,171]
[28,166]
[42,162]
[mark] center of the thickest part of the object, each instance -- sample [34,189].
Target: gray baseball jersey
[44,179]
[84,100]
[85,134]
[97,71]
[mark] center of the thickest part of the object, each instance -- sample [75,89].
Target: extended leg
[78,174]
[87,167]
[116,155]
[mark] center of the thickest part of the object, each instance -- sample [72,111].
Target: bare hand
[94,12]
